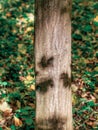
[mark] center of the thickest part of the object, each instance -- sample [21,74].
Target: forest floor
[17,77]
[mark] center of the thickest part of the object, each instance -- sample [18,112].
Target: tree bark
[53,65]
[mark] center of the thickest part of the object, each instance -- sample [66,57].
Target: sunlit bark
[53,65]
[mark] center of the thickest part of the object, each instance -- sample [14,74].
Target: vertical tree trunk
[53,65]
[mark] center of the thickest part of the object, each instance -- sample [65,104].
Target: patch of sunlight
[22,48]
[96,19]
[31,17]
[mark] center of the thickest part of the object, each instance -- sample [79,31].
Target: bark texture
[53,65]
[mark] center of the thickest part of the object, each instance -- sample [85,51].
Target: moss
[66,80]
[44,85]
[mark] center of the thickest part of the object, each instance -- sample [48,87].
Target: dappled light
[85,64]
[17,76]
[17,64]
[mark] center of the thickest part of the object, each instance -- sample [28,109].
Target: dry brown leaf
[2,121]
[8,14]
[22,48]
[90,123]
[74,87]
[92,119]
[96,91]
[23,4]
[7,113]
[18,104]
[96,35]
[29,29]
[17,121]
[4,106]
[22,78]
[29,77]
[19,58]
[32,87]
[31,17]
[96,19]
[32,105]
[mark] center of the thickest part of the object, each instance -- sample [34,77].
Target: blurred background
[17,77]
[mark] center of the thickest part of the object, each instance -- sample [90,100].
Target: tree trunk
[53,65]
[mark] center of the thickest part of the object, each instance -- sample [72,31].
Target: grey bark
[53,65]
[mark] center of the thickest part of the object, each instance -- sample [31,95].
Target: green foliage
[17,77]
[84,64]
[17,61]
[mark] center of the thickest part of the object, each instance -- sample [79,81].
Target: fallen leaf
[31,17]
[8,14]
[5,107]
[17,121]
[96,91]
[29,29]
[18,104]
[90,123]
[74,87]
[29,78]
[7,113]
[32,87]
[96,19]
[32,105]
[22,48]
